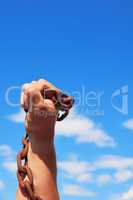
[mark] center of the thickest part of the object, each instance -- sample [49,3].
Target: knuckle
[25,86]
[31,91]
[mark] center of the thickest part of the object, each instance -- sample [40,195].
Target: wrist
[41,148]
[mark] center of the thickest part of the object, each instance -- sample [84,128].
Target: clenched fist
[39,110]
[39,100]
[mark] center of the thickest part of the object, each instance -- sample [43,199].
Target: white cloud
[85,177]
[76,190]
[8,155]
[10,166]
[78,126]
[84,130]
[124,196]
[2,185]
[104,179]
[113,162]
[128,195]
[128,124]
[123,175]
[73,167]
[17,117]
[76,169]
[120,169]
[6,152]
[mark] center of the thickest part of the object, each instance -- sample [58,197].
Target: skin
[40,124]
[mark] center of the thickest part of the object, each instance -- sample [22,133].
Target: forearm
[43,166]
[42,162]
[43,157]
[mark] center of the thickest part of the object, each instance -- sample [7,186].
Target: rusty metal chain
[63,103]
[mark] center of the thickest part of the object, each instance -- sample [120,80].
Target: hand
[41,111]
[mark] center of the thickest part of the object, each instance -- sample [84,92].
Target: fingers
[31,94]
[44,84]
[32,99]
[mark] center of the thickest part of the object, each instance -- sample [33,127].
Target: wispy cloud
[8,155]
[120,169]
[76,190]
[10,166]
[123,175]
[104,179]
[78,126]
[113,162]
[2,185]
[128,124]
[17,117]
[84,130]
[75,169]
[128,195]
[6,152]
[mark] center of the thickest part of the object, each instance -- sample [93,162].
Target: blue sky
[77,46]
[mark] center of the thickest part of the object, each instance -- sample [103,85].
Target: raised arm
[40,125]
